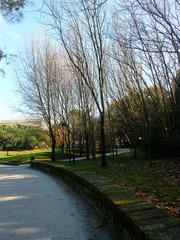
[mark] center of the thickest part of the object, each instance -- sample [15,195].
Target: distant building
[29,122]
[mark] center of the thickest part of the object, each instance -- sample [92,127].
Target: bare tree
[37,72]
[145,61]
[81,26]
[85,106]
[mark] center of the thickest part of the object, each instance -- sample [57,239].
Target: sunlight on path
[36,206]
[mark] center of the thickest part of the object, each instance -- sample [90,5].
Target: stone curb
[129,217]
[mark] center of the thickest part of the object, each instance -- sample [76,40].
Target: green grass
[154,179]
[23,157]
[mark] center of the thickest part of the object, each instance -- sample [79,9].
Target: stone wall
[129,217]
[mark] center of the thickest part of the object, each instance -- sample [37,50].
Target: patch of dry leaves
[160,171]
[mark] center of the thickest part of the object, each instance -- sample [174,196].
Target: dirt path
[36,206]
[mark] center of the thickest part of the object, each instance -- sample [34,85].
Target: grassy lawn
[157,180]
[23,157]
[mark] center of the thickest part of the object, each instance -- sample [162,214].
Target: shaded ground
[119,151]
[157,180]
[36,206]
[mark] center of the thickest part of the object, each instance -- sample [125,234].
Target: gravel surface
[36,206]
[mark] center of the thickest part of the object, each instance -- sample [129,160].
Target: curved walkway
[36,206]
[119,151]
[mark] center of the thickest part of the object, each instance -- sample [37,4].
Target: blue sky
[12,38]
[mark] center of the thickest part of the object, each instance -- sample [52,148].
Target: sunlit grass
[3,154]
[24,156]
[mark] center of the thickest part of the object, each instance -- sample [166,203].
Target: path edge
[129,217]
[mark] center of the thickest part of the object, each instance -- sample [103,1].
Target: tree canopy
[11,10]
[22,137]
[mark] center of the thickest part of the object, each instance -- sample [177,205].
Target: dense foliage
[22,137]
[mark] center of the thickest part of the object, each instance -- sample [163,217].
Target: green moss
[125,201]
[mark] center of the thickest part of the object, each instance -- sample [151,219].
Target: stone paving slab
[147,214]
[159,223]
[123,197]
[172,233]
[111,187]
[137,207]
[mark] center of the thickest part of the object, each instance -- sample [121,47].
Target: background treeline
[22,137]
[113,76]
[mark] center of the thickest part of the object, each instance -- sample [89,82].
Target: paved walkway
[36,206]
[120,151]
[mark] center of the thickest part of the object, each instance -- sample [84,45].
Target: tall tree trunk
[103,142]
[69,146]
[87,145]
[80,146]
[93,141]
[73,147]
[73,152]
[116,149]
[63,144]
[62,148]
[53,148]
[93,152]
